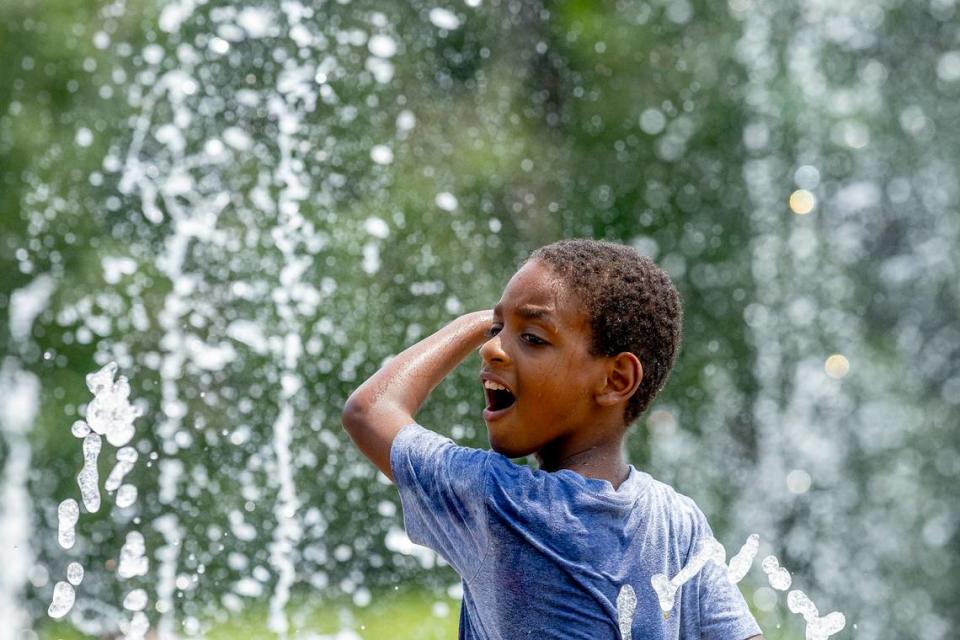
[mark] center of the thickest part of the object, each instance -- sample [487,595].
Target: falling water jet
[20,392]
[169,527]
[162,178]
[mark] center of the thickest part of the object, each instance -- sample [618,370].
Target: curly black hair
[632,305]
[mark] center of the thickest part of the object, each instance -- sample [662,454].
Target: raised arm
[375,412]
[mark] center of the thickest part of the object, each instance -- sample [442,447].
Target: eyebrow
[527,311]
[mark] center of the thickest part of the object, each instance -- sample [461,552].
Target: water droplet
[798,481]
[133,562]
[88,478]
[778,577]
[68,512]
[80,429]
[444,18]
[381,154]
[382,46]
[126,495]
[446,201]
[75,573]
[136,600]
[63,599]
[652,121]
[84,137]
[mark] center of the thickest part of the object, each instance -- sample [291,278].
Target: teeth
[490,384]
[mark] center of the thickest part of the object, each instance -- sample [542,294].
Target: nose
[492,350]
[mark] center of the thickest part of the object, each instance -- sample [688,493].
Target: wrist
[477,324]
[485,316]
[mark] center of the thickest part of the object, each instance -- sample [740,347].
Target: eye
[532,339]
[492,331]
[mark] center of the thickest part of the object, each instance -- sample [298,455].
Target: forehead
[536,290]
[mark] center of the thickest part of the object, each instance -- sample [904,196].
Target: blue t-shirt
[545,555]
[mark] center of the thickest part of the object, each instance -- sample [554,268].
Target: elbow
[355,412]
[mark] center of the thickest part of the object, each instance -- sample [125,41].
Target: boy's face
[539,351]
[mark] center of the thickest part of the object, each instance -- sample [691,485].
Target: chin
[507,448]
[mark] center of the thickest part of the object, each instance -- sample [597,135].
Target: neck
[601,461]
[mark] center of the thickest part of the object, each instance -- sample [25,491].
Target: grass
[398,616]
[404,616]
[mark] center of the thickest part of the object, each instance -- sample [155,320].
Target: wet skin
[569,404]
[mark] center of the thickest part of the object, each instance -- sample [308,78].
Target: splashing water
[626,607]
[126,496]
[666,588]
[740,563]
[288,531]
[110,413]
[67,515]
[88,478]
[778,577]
[63,599]
[710,550]
[817,628]
[126,458]
[133,561]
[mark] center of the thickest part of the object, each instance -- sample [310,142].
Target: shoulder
[512,484]
[681,513]
[418,451]
[417,442]
[680,503]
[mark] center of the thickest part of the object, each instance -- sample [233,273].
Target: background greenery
[678,127]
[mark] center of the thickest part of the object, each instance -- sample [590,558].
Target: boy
[582,340]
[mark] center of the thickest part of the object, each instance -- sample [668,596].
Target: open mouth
[499,400]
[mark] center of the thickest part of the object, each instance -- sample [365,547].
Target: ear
[624,374]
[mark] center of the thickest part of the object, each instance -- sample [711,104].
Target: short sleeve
[724,614]
[441,489]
